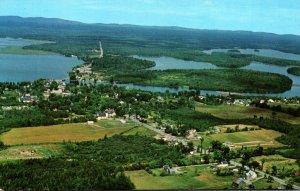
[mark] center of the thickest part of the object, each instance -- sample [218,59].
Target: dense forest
[61,174]
[78,38]
[294,70]
[131,70]
[90,165]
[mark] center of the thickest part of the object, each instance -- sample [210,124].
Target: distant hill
[175,37]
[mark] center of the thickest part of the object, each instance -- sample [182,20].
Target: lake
[163,63]
[260,52]
[17,68]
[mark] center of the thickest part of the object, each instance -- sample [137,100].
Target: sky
[276,16]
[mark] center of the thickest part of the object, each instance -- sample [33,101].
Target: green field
[204,179]
[114,123]
[30,151]
[59,133]
[265,138]
[140,131]
[240,112]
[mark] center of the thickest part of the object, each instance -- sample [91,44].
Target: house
[223,164]
[192,135]
[108,113]
[28,98]
[169,170]
[251,174]
[90,122]
[294,174]
[229,144]
[238,183]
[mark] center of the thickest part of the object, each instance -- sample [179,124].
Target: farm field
[107,123]
[240,112]
[29,151]
[261,137]
[59,133]
[204,180]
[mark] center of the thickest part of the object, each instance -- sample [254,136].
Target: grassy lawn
[29,151]
[278,161]
[205,179]
[58,133]
[241,112]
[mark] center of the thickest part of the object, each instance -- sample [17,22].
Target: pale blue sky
[277,16]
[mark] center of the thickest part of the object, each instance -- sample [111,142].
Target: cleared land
[202,179]
[59,133]
[240,112]
[30,151]
[263,137]
[140,131]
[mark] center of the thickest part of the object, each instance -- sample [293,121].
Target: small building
[108,113]
[294,174]
[169,169]
[251,174]
[223,164]
[28,98]
[90,122]
[239,183]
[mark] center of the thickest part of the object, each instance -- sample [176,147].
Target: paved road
[170,137]
[184,141]
[280,181]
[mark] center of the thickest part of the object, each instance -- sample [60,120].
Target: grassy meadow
[263,137]
[140,130]
[60,133]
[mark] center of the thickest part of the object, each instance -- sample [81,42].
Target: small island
[294,70]
[233,51]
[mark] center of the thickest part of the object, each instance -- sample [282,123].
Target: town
[208,145]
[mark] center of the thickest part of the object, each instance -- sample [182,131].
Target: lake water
[261,52]
[163,63]
[17,68]
[294,91]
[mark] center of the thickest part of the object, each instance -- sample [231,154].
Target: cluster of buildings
[60,90]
